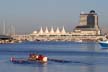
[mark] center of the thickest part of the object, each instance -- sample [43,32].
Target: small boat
[104,44]
[32,59]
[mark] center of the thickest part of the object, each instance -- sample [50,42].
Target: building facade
[88,24]
[51,31]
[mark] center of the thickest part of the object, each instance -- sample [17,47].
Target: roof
[4,37]
[85,28]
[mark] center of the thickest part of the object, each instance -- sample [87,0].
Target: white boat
[79,41]
[104,44]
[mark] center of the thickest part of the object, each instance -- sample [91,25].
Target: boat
[79,41]
[32,59]
[20,61]
[104,44]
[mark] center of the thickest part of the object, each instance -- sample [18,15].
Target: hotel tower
[88,24]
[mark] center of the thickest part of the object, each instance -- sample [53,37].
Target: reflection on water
[90,59]
[42,68]
[77,57]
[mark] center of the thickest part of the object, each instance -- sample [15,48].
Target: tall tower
[89,22]
[83,19]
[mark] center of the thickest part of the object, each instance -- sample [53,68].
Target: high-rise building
[89,22]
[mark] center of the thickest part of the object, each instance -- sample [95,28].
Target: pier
[58,38]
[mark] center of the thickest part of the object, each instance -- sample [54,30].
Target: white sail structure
[52,31]
[63,31]
[46,31]
[57,31]
[41,31]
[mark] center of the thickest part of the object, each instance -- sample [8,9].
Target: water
[81,57]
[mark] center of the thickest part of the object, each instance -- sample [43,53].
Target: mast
[12,30]
[4,28]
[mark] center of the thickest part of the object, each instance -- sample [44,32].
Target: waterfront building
[5,39]
[88,24]
[87,30]
[51,31]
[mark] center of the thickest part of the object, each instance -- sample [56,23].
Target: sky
[29,15]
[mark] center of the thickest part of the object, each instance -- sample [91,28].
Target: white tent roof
[63,30]
[57,30]
[41,31]
[52,30]
[46,30]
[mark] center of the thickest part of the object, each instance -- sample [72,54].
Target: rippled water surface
[77,57]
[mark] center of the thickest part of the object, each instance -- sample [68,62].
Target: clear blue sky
[29,15]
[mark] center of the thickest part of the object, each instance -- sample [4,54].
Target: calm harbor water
[82,57]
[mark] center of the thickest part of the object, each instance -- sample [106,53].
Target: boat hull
[24,61]
[104,44]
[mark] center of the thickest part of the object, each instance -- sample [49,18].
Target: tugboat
[33,58]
